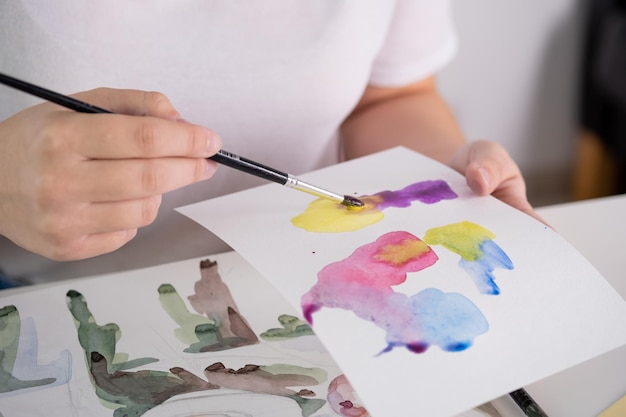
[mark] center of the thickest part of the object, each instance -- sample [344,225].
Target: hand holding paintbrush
[75,185]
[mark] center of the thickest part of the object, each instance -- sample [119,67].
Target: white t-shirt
[275,79]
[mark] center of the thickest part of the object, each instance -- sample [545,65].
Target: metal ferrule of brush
[293,182]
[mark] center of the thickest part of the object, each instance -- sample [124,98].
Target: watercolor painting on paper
[169,342]
[20,370]
[430,279]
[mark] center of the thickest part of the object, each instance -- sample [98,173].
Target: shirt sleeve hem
[394,77]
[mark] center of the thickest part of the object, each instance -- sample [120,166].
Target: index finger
[115,136]
[131,102]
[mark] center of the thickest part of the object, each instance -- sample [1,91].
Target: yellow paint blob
[462,238]
[325,216]
[401,253]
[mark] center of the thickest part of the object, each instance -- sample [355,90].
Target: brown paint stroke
[213,298]
[254,379]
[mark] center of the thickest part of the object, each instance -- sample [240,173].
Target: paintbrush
[222,157]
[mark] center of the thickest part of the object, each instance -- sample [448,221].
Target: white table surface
[597,228]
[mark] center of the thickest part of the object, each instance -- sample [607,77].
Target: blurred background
[545,78]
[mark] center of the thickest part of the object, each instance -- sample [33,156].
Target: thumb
[486,165]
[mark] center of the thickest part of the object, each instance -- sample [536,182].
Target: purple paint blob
[427,192]
[324,216]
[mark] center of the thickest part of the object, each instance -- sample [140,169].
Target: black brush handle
[49,95]
[222,157]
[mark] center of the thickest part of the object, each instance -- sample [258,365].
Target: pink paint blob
[363,282]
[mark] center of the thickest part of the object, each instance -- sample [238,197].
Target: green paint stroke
[10,327]
[130,393]
[101,339]
[201,333]
[175,307]
[133,393]
[292,327]
[213,299]
[218,326]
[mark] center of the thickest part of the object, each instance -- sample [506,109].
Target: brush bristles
[352,201]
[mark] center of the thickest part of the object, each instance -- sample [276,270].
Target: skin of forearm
[414,116]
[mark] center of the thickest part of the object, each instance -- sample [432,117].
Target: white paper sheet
[554,310]
[49,347]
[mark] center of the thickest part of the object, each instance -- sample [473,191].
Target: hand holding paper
[489,169]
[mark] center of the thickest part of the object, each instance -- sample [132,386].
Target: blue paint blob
[456,347]
[481,270]
[449,320]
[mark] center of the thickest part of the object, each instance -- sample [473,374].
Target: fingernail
[214,142]
[485,176]
[211,167]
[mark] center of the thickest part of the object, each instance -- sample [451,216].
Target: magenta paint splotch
[362,283]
